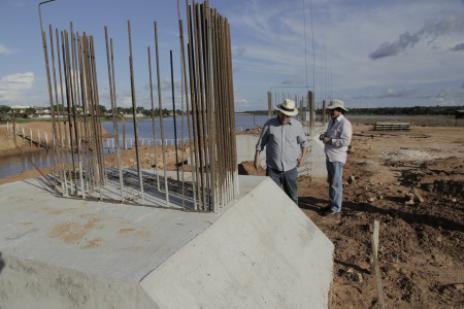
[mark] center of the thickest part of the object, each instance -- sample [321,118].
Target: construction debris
[391,126]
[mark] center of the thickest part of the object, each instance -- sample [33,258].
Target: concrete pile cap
[261,252]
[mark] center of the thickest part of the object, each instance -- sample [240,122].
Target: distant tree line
[6,112]
[127,110]
[414,110]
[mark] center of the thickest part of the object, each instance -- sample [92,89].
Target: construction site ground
[413,183]
[421,252]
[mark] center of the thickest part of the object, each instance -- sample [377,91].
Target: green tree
[29,112]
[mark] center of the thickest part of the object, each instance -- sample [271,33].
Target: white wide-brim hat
[288,108]
[337,104]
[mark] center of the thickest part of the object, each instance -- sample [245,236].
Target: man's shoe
[325,209]
[332,213]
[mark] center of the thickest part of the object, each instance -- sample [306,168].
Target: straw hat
[337,104]
[288,108]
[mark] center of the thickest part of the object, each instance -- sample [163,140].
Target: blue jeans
[287,180]
[335,180]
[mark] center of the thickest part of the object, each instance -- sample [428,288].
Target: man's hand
[321,137]
[327,140]
[300,159]
[257,160]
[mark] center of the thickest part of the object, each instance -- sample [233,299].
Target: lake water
[242,122]
[17,164]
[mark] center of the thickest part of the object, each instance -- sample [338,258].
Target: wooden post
[312,111]
[311,105]
[324,112]
[124,134]
[14,125]
[269,104]
[30,133]
[302,113]
[375,263]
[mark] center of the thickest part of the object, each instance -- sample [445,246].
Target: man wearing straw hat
[337,139]
[286,146]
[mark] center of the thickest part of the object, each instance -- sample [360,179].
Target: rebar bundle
[207,105]
[212,104]
[76,121]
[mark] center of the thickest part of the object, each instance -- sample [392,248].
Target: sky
[368,53]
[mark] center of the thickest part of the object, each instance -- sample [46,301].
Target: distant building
[20,109]
[43,112]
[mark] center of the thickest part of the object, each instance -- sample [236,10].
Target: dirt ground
[10,146]
[421,250]
[413,183]
[46,127]
[151,156]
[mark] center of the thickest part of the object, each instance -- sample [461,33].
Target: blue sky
[378,53]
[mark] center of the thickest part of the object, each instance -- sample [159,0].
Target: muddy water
[14,165]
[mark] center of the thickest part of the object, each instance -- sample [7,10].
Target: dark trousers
[286,180]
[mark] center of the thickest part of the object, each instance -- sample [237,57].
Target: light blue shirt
[340,131]
[283,143]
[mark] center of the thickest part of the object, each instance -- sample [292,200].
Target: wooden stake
[375,264]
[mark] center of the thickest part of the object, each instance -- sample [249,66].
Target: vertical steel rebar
[112,88]
[185,89]
[160,106]
[152,105]
[173,93]
[134,110]
[206,90]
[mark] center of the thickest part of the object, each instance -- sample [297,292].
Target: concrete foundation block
[260,252]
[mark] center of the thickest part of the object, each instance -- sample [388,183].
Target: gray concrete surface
[246,147]
[315,161]
[260,252]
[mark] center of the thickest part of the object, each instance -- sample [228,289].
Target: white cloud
[5,50]
[14,87]
[269,45]
[241,101]
[125,101]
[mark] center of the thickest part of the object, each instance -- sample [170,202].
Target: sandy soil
[421,243]
[9,146]
[253,131]
[46,127]
[248,168]
[25,175]
[149,157]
